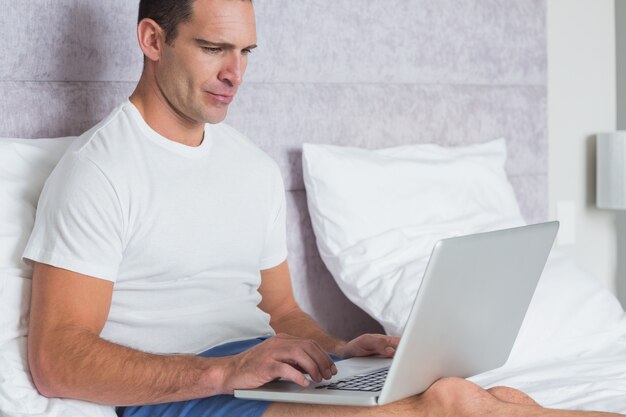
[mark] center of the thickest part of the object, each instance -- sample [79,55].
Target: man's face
[199,74]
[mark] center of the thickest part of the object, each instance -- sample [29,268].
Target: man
[160,235]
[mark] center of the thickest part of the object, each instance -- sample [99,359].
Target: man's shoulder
[107,140]
[94,157]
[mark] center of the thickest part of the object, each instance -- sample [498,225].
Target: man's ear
[151,39]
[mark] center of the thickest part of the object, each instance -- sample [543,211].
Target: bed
[359,75]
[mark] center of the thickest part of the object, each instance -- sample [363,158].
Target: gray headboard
[370,73]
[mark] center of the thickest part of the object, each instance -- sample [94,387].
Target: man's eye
[211,50]
[246,51]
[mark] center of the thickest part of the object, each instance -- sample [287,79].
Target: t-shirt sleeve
[79,221]
[275,249]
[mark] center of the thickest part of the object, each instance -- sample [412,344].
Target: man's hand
[369,345]
[282,356]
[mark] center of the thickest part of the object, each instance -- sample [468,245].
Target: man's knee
[511,395]
[449,389]
[458,397]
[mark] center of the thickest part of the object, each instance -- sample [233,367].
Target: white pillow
[24,166]
[376,214]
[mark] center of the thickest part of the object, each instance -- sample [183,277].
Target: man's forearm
[81,365]
[287,317]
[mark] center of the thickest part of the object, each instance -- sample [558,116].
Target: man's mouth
[222,98]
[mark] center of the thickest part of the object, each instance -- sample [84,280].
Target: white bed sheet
[589,373]
[571,350]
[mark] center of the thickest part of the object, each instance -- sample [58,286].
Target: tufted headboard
[368,73]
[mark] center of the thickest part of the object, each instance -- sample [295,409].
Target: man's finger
[304,364]
[391,344]
[393,341]
[309,356]
[289,372]
[372,344]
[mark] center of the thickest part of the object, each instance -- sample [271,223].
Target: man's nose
[232,70]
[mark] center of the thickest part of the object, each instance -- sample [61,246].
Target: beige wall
[581,102]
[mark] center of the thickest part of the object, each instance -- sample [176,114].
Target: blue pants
[217,406]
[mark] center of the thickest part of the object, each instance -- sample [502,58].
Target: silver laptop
[464,321]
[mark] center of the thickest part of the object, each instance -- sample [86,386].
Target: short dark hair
[167,13]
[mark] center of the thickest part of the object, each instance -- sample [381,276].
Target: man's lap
[217,406]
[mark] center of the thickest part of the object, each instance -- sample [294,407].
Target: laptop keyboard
[367,382]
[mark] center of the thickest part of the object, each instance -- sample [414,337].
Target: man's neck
[164,119]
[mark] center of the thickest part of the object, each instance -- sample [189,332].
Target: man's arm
[69,359]
[287,317]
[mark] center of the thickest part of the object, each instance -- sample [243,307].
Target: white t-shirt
[182,231]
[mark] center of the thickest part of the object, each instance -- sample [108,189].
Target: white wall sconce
[611,170]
